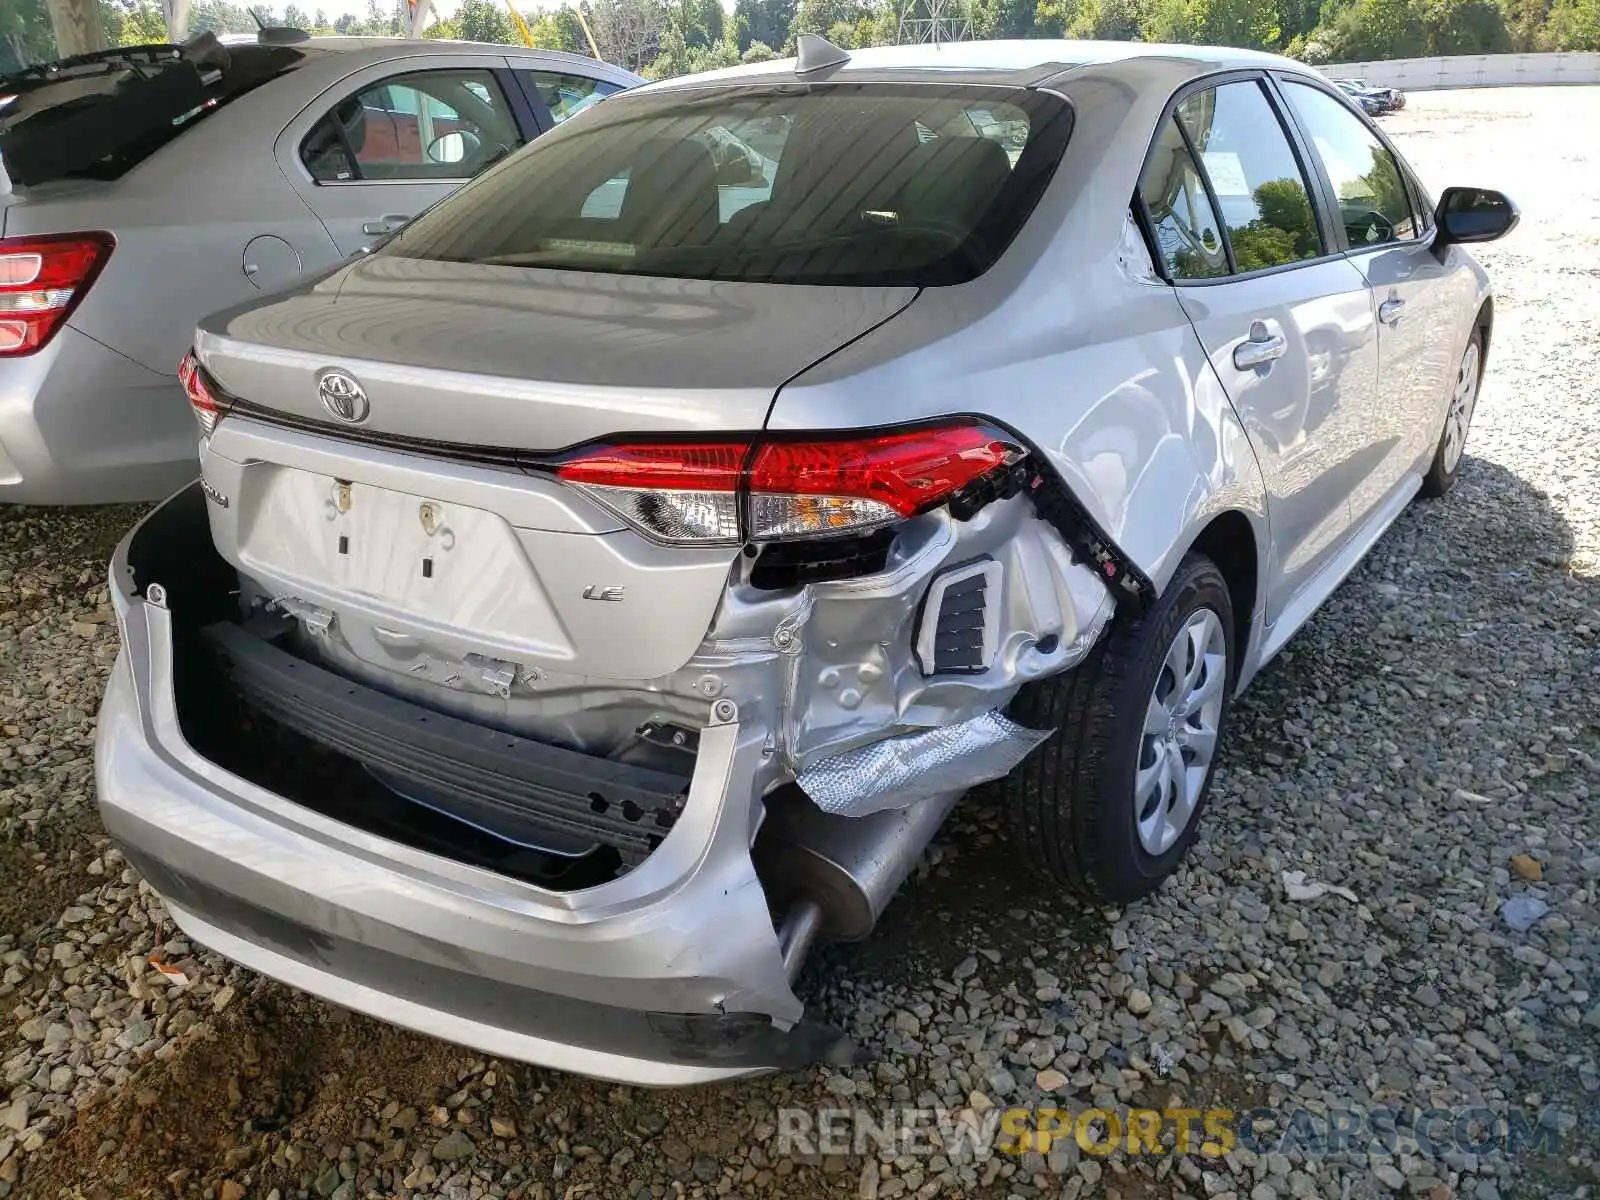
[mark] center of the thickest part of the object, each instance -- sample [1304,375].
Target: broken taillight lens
[706,492]
[206,410]
[42,279]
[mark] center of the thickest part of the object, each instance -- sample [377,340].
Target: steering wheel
[1366,224]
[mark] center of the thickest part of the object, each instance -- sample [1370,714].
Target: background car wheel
[1447,458]
[1108,805]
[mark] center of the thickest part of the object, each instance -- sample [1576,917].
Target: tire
[1449,454]
[1071,805]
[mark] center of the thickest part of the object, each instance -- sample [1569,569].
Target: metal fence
[1473,70]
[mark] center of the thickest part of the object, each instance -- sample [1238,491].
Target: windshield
[100,115]
[832,183]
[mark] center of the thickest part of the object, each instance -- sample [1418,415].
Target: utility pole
[935,21]
[77,27]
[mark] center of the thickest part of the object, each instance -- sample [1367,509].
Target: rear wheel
[1111,802]
[1447,457]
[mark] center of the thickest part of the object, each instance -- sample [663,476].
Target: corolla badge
[343,397]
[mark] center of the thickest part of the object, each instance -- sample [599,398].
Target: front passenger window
[1373,205]
[1263,194]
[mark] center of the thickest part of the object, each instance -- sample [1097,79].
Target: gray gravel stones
[1436,720]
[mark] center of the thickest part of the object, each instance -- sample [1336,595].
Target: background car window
[1373,205]
[446,124]
[1263,194]
[1185,223]
[567,95]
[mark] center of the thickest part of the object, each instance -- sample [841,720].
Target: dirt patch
[273,1070]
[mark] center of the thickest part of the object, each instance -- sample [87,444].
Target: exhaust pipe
[832,877]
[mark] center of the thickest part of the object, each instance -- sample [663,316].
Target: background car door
[1416,298]
[1287,324]
[395,139]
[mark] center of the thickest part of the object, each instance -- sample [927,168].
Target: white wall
[1472,70]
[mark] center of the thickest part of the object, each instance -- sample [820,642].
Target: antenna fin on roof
[814,53]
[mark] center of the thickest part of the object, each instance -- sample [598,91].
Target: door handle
[1389,310]
[1260,348]
[387,223]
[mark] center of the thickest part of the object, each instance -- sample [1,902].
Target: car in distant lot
[1373,101]
[1392,96]
[145,187]
[599,594]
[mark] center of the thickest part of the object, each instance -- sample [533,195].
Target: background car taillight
[204,404]
[42,279]
[726,492]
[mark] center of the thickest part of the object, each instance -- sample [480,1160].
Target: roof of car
[1020,62]
[379,48]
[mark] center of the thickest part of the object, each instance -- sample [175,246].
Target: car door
[396,138]
[1286,321]
[1415,296]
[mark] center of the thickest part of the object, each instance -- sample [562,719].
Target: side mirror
[1468,214]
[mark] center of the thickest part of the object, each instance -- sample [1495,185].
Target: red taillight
[727,491]
[42,279]
[206,411]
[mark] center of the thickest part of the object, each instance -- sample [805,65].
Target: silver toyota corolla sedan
[600,594]
[143,188]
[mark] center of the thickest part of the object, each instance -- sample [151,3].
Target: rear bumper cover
[669,975]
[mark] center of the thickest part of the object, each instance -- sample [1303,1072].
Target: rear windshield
[827,183]
[99,116]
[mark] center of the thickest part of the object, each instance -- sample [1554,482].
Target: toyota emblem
[343,397]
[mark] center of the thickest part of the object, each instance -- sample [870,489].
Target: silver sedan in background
[144,187]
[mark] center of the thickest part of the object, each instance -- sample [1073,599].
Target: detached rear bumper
[669,975]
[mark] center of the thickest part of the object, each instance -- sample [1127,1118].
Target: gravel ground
[1429,742]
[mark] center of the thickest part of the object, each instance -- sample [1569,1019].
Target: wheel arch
[1484,324]
[1230,541]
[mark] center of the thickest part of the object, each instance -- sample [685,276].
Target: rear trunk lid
[526,359]
[442,554]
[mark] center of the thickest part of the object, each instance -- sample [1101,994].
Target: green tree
[1284,205]
[558,29]
[822,17]
[712,21]
[766,21]
[484,21]
[1465,27]
[1107,20]
[142,24]
[757,52]
[1246,23]
[442,31]
[1575,25]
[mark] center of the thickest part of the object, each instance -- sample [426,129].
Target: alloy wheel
[1463,398]
[1180,731]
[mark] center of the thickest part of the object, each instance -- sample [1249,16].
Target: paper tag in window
[1227,173]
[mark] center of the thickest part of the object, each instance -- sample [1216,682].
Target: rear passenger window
[1373,205]
[1263,194]
[1185,224]
[567,95]
[426,125]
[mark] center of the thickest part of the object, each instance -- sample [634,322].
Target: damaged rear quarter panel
[1104,376]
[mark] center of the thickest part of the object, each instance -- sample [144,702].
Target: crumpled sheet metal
[899,771]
